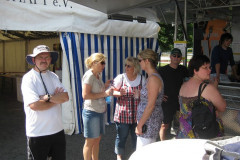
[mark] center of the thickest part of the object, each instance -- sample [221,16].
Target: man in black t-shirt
[173,76]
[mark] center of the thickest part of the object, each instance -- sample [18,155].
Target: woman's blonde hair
[150,55]
[95,57]
[135,63]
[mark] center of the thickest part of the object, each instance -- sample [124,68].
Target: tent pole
[3,56]
[176,24]
[185,26]
[26,52]
[180,15]
[165,21]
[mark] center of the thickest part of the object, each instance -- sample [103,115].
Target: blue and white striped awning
[77,47]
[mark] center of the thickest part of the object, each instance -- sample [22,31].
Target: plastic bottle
[109,98]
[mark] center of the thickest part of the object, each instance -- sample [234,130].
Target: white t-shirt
[96,105]
[46,122]
[117,82]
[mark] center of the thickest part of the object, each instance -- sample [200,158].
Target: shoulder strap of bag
[141,81]
[200,90]
[122,80]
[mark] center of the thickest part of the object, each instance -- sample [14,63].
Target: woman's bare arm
[212,94]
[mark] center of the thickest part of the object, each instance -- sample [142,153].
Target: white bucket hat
[40,49]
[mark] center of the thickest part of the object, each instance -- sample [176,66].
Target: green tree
[166,35]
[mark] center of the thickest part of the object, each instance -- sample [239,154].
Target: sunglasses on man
[176,55]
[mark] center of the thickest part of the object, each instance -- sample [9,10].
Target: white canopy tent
[46,15]
[82,31]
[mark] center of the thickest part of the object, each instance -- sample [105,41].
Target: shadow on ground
[13,139]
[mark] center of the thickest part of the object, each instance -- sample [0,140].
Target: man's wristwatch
[49,96]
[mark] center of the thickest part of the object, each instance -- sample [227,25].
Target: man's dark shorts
[39,148]
[168,112]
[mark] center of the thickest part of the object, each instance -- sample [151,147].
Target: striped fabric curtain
[76,48]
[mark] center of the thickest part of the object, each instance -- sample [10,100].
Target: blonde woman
[127,87]
[149,111]
[94,93]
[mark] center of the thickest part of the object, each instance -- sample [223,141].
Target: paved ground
[13,139]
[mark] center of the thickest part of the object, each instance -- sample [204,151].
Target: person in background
[42,94]
[127,90]
[236,77]
[199,71]
[149,112]
[173,76]
[94,93]
[221,56]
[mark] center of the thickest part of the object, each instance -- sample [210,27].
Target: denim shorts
[93,124]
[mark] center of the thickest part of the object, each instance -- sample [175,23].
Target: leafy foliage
[166,35]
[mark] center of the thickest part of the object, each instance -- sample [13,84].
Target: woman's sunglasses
[102,63]
[128,66]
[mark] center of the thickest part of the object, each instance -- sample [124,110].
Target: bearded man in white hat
[42,94]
